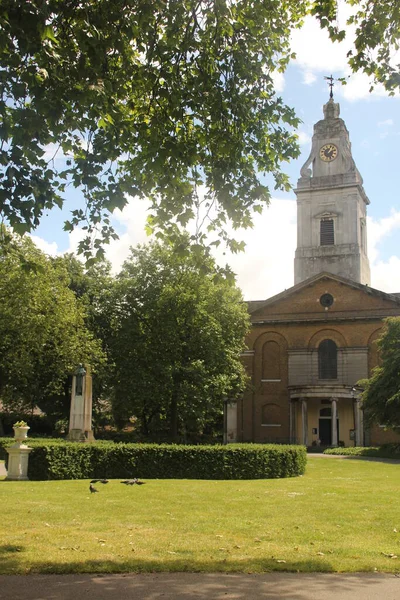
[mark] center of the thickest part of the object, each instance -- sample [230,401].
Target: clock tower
[331,206]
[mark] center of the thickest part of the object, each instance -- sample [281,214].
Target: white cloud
[50,248]
[386,123]
[359,86]
[132,219]
[317,54]
[309,77]
[378,230]
[279,81]
[304,138]
[265,268]
[385,275]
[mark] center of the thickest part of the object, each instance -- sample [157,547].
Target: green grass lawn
[342,515]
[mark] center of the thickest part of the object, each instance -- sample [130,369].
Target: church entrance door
[325,431]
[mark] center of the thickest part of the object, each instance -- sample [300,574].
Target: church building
[310,345]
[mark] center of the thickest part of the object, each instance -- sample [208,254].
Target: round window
[326,300]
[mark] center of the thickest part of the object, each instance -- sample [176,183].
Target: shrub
[69,460]
[384,451]
[8,441]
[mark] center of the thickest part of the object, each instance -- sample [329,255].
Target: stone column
[293,421]
[231,422]
[80,421]
[304,421]
[334,422]
[358,423]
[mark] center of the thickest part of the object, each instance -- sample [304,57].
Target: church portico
[322,416]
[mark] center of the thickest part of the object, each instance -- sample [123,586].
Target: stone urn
[21,433]
[18,454]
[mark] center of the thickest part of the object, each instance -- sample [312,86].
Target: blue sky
[373,121]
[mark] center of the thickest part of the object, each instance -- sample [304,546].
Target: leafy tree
[154,98]
[94,289]
[178,333]
[381,395]
[42,332]
[377,37]
[150,98]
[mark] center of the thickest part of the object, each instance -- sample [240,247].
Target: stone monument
[80,420]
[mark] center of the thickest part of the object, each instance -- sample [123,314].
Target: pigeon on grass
[133,481]
[92,489]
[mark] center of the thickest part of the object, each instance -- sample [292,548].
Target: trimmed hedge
[68,460]
[384,451]
[8,441]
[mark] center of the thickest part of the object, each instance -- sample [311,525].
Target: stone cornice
[325,319]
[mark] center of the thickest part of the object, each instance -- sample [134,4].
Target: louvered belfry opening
[327,235]
[327,360]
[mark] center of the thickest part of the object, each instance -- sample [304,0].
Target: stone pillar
[80,420]
[304,421]
[17,469]
[230,436]
[293,421]
[358,423]
[334,423]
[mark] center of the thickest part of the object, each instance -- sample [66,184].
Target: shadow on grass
[13,561]
[381,459]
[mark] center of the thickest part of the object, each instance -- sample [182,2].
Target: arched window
[271,415]
[271,361]
[327,360]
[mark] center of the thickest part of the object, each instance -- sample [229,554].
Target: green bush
[8,441]
[384,451]
[68,460]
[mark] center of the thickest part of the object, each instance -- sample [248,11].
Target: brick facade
[282,360]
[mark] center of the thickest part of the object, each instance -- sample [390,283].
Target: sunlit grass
[342,515]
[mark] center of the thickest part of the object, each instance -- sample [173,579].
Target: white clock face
[328,152]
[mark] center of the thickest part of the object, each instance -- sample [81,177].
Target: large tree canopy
[43,336]
[178,334]
[154,98]
[381,395]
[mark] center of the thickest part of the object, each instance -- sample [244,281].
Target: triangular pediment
[326,215]
[343,298]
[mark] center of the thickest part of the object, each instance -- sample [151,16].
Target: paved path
[195,586]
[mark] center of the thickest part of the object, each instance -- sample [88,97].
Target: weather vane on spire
[331,84]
